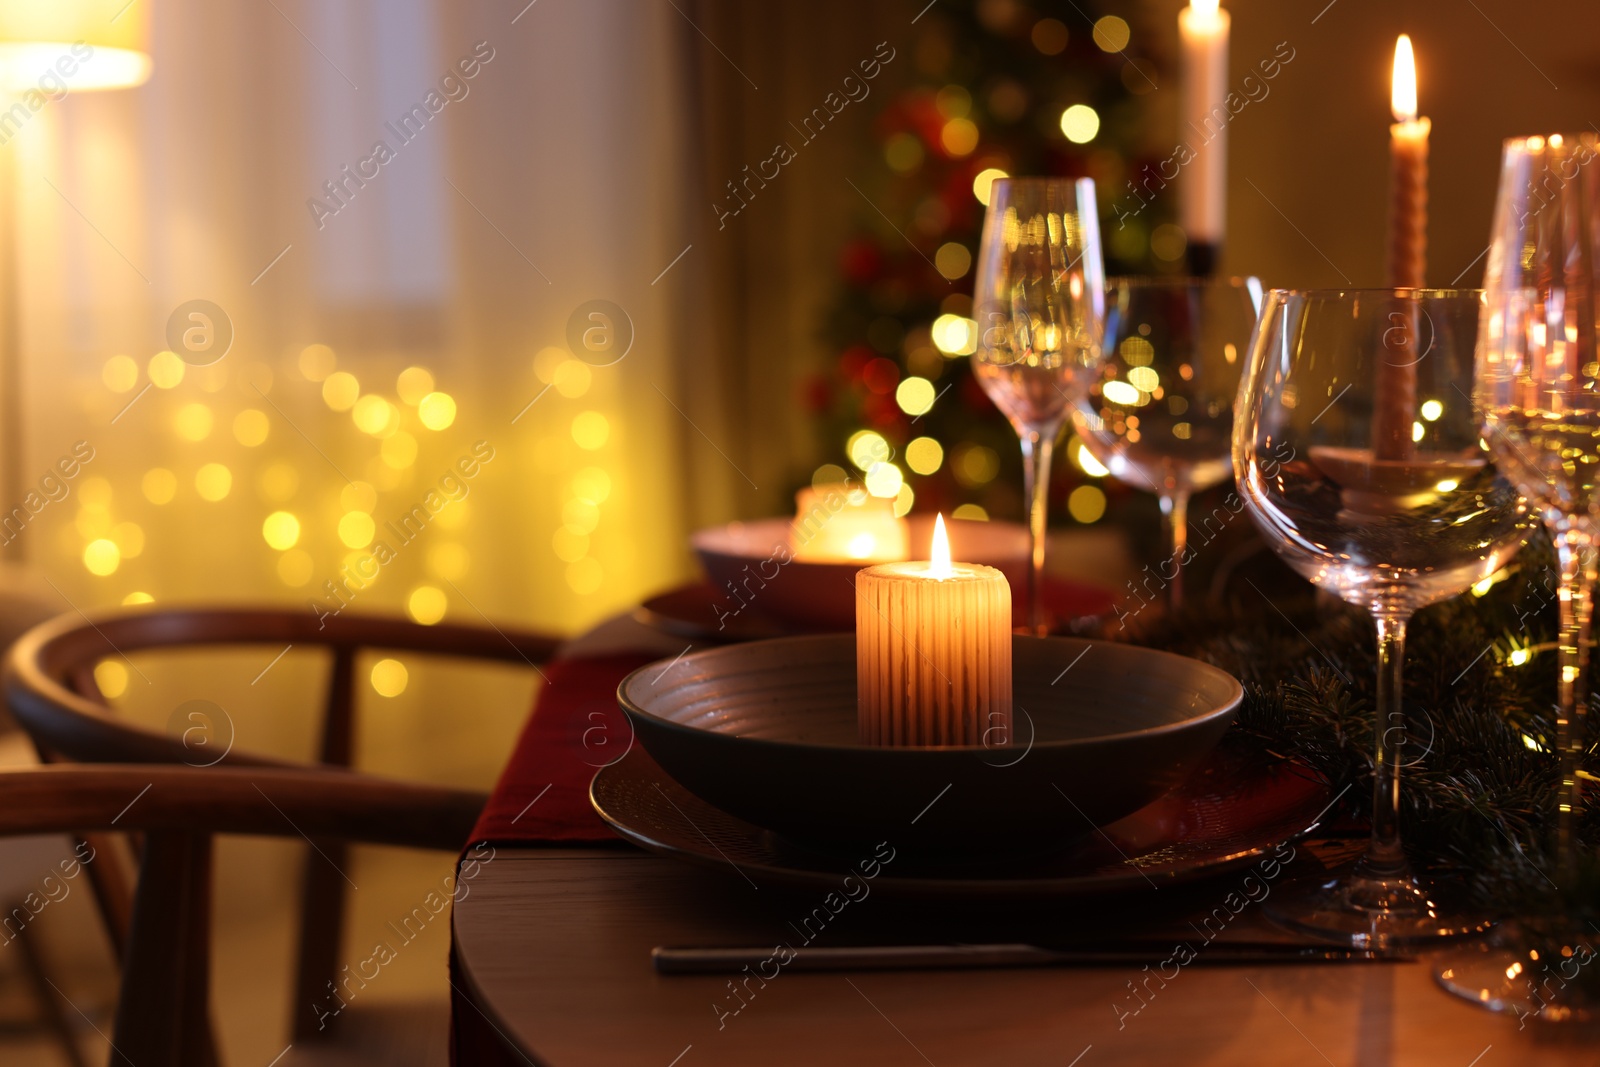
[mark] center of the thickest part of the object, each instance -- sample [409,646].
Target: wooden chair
[50,688]
[161,1015]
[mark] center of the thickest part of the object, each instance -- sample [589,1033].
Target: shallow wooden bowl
[767,732]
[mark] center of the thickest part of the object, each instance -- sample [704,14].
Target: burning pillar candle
[1407,254]
[1203,191]
[933,652]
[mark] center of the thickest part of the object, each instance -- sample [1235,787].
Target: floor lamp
[48,49]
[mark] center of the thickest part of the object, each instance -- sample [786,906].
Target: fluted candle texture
[933,654]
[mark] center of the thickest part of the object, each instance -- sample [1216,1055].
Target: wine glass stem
[1036,449]
[1385,857]
[1175,516]
[1576,552]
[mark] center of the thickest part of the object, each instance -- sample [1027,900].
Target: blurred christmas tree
[1000,87]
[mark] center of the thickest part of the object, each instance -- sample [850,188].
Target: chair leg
[162,1007]
[50,1000]
[321,930]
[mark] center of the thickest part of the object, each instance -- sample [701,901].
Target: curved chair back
[50,688]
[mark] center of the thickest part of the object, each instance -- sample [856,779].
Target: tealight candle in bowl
[933,652]
[843,522]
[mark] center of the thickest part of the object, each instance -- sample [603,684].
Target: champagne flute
[1537,394]
[1038,300]
[1159,416]
[1392,522]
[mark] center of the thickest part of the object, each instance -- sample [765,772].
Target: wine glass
[1538,392]
[1359,456]
[1159,416]
[1038,299]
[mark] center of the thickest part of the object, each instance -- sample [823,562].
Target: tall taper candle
[1203,186]
[933,652]
[1407,255]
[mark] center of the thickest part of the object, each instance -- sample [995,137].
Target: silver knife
[715,960]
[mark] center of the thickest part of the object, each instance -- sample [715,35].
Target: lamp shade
[58,46]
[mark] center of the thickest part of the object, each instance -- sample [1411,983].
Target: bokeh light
[955,335]
[102,557]
[373,414]
[866,447]
[213,482]
[1112,34]
[924,455]
[959,137]
[317,362]
[952,260]
[1087,503]
[569,545]
[129,538]
[358,496]
[137,597]
[591,483]
[828,474]
[413,384]
[915,396]
[427,604]
[159,485]
[277,482]
[590,430]
[573,378]
[389,677]
[281,530]
[983,183]
[251,427]
[974,512]
[884,480]
[341,390]
[399,450]
[165,370]
[437,410]
[356,529]
[193,422]
[111,678]
[120,374]
[1080,123]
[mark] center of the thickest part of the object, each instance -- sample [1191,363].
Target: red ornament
[881,375]
[861,261]
[817,394]
[853,362]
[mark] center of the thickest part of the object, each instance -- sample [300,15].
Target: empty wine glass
[1159,416]
[1038,299]
[1538,391]
[1360,458]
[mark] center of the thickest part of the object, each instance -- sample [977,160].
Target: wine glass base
[1365,910]
[1547,973]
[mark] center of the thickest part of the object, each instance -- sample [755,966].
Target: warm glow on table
[933,652]
[840,523]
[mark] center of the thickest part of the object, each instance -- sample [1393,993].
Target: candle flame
[1403,89]
[940,567]
[1205,9]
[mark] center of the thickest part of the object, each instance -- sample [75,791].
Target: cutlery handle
[670,960]
[719,960]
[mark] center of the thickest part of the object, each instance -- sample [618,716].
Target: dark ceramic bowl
[767,732]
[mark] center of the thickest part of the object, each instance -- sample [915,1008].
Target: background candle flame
[940,567]
[1204,9]
[1403,89]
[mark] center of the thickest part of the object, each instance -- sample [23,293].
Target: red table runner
[577,728]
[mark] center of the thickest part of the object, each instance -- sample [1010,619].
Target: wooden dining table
[552,949]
